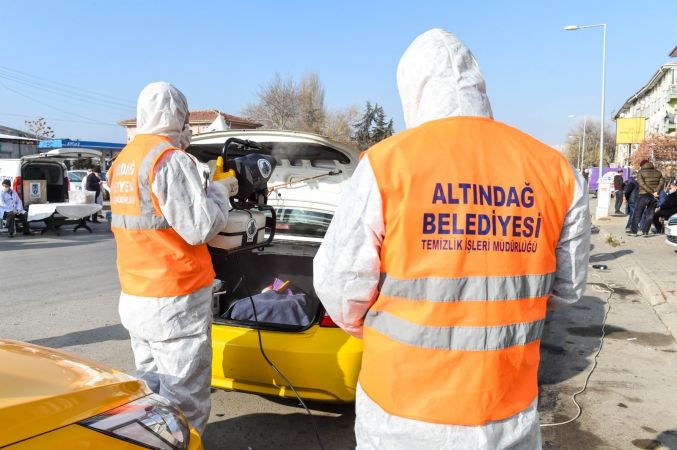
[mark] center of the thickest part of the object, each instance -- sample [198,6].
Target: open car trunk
[52,173]
[249,273]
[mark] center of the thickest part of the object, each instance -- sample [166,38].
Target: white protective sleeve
[346,269]
[573,249]
[196,216]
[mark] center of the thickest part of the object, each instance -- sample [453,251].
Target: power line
[64,85]
[92,121]
[53,119]
[84,98]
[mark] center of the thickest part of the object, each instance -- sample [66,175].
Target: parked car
[320,359]
[106,188]
[54,400]
[671,230]
[76,177]
[52,170]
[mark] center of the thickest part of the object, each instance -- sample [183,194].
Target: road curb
[647,287]
[667,313]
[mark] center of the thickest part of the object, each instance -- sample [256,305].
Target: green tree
[372,127]
[382,129]
[363,128]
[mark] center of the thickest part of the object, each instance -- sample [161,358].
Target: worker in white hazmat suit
[451,321]
[162,219]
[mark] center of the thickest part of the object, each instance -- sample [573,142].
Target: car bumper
[321,363]
[671,234]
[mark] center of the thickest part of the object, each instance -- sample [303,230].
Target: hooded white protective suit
[170,336]
[437,77]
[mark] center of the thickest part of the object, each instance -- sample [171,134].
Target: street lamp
[578,162]
[600,204]
[581,143]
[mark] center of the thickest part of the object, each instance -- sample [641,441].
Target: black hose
[274,367]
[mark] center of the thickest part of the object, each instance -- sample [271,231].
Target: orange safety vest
[473,211]
[153,260]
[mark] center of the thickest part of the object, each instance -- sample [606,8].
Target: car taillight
[327,322]
[17,186]
[68,184]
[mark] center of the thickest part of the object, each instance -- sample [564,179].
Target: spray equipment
[247,220]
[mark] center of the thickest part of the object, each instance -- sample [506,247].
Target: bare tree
[591,151]
[661,150]
[277,105]
[312,111]
[338,124]
[39,128]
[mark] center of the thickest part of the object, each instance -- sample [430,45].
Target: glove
[226,178]
[230,183]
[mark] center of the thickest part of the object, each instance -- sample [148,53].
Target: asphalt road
[62,292]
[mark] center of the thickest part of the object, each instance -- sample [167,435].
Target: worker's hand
[225,177]
[231,185]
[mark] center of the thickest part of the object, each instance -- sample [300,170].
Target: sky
[81,64]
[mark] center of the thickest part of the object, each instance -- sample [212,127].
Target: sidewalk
[650,262]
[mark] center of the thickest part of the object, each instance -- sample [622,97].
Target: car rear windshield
[302,222]
[76,176]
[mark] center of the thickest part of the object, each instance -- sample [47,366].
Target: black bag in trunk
[273,308]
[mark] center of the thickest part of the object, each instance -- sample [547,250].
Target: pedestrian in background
[619,185]
[631,192]
[11,208]
[92,183]
[451,336]
[650,183]
[666,208]
[99,198]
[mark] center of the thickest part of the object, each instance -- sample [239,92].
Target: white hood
[438,77]
[162,109]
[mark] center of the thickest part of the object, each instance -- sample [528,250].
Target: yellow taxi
[54,400]
[320,360]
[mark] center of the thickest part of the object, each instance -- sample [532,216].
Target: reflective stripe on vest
[468,288]
[145,172]
[454,338]
[148,220]
[153,260]
[473,212]
[139,222]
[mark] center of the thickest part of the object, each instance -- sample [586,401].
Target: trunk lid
[311,170]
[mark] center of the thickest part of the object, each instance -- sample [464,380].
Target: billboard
[630,130]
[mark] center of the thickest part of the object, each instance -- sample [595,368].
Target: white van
[37,167]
